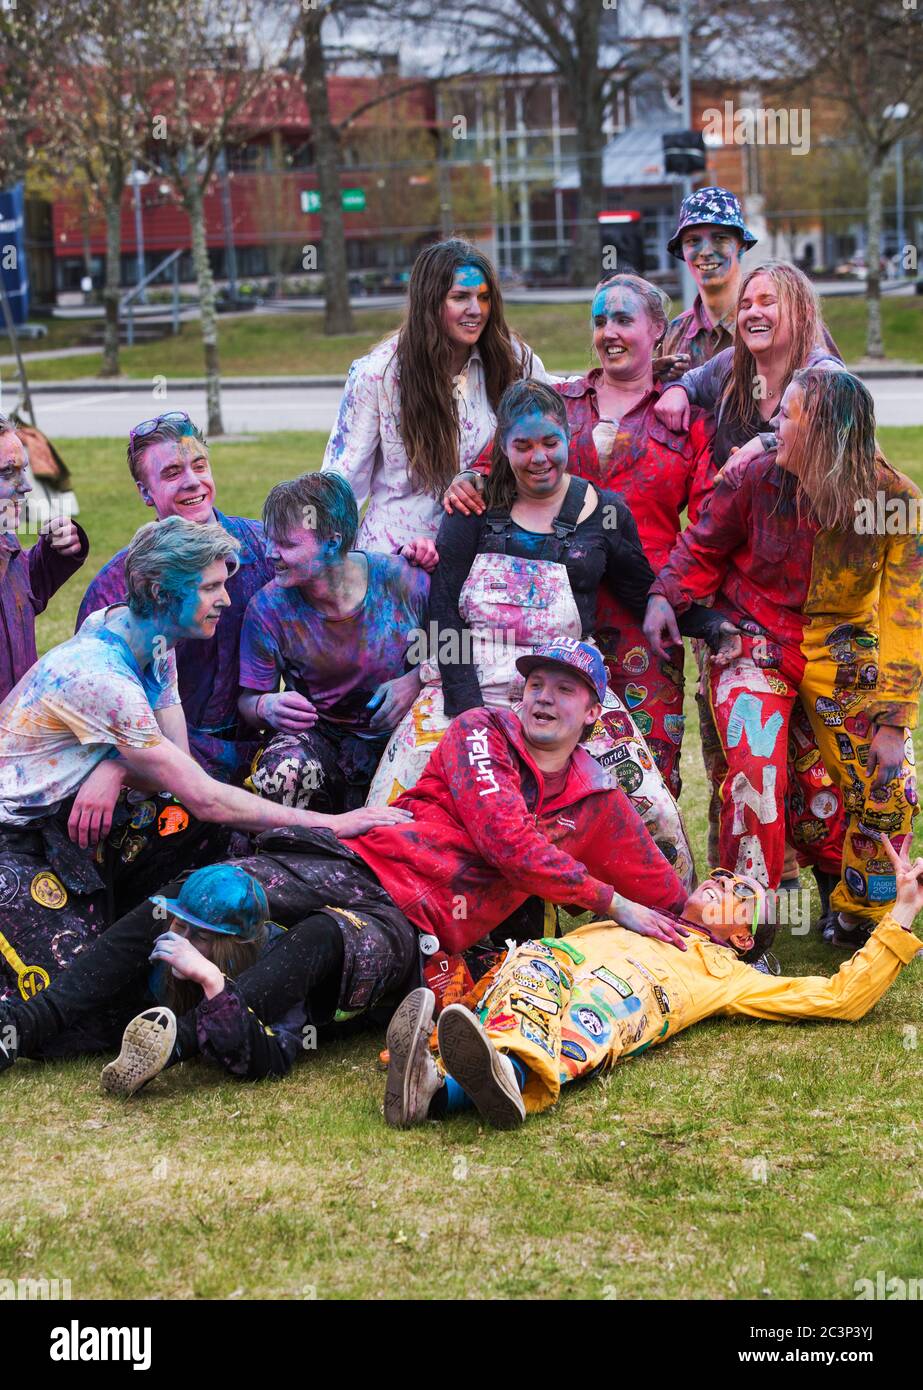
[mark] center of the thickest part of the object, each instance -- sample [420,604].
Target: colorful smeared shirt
[207,670]
[79,704]
[749,548]
[366,445]
[336,663]
[28,580]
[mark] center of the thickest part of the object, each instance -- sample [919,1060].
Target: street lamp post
[688,283]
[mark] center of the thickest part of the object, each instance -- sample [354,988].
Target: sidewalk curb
[320,383]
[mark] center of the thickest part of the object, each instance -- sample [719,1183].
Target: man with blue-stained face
[711,237]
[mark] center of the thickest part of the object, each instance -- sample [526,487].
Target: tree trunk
[874,346]
[111,294]
[588,98]
[338,317]
[208,317]
[590,141]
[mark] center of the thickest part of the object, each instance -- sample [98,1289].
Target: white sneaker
[413,1077]
[146,1046]
[483,1073]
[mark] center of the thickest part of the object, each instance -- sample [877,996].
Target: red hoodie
[483,839]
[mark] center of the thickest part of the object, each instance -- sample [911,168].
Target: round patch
[48,890]
[824,804]
[589,1021]
[636,661]
[854,882]
[9,886]
[143,815]
[629,776]
[33,979]
[644,721]
[172,820]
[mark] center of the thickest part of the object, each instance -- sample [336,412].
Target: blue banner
[13,252]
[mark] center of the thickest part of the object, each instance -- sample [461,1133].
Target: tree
[318,60]
[595,49]
[863,58]
[215,79]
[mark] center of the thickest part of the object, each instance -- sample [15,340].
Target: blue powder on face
[469,276]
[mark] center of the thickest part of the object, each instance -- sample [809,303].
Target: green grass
[294,344]
[638,1185]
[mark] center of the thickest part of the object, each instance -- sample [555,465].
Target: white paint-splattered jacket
[366,445]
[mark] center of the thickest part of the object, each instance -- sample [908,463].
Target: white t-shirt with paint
[78,704]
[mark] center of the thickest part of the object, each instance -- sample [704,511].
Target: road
[898,401]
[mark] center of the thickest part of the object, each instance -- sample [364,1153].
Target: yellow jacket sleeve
[849,994]
[896,700]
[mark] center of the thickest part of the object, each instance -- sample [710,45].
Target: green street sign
[351,200]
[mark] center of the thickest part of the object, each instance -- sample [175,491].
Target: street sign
[351,200]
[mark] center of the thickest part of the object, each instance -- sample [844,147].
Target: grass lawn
[743,1160]
[294,344]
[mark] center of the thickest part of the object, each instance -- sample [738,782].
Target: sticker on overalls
[48,890]
[143,815]
[824,805]
[131,848]
[172,820]
[635,661]
[882,887]
[629,776]
[9,886]
[615,982]
[854,881]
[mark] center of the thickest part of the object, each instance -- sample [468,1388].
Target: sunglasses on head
[741,890]
[146,427]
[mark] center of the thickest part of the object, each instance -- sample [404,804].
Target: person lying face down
[556,1010]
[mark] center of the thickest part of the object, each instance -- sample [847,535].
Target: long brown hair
[799,307]
[522,398]
[229,953]
[429,412]
[835,458]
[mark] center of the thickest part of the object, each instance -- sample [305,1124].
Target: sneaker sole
[146,1046]
[474,1062]
[408,1034]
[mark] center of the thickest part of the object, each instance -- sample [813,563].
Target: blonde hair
[798,307]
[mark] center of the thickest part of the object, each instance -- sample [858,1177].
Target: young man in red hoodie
[509,806]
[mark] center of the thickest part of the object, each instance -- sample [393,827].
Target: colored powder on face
[533,425]
[616,301]
[469,277]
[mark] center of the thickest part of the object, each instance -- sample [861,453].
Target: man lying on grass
[96,716]
[509,806]
[560,1010]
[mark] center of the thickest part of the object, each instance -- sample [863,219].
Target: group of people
[351,760]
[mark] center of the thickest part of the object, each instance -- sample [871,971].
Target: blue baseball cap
[710,207]
[220,898]
[586,661]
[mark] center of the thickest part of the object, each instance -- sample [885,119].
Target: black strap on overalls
[499,526]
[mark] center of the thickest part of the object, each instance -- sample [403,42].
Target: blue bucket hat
[579,657]
[714,207]
[220,898]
